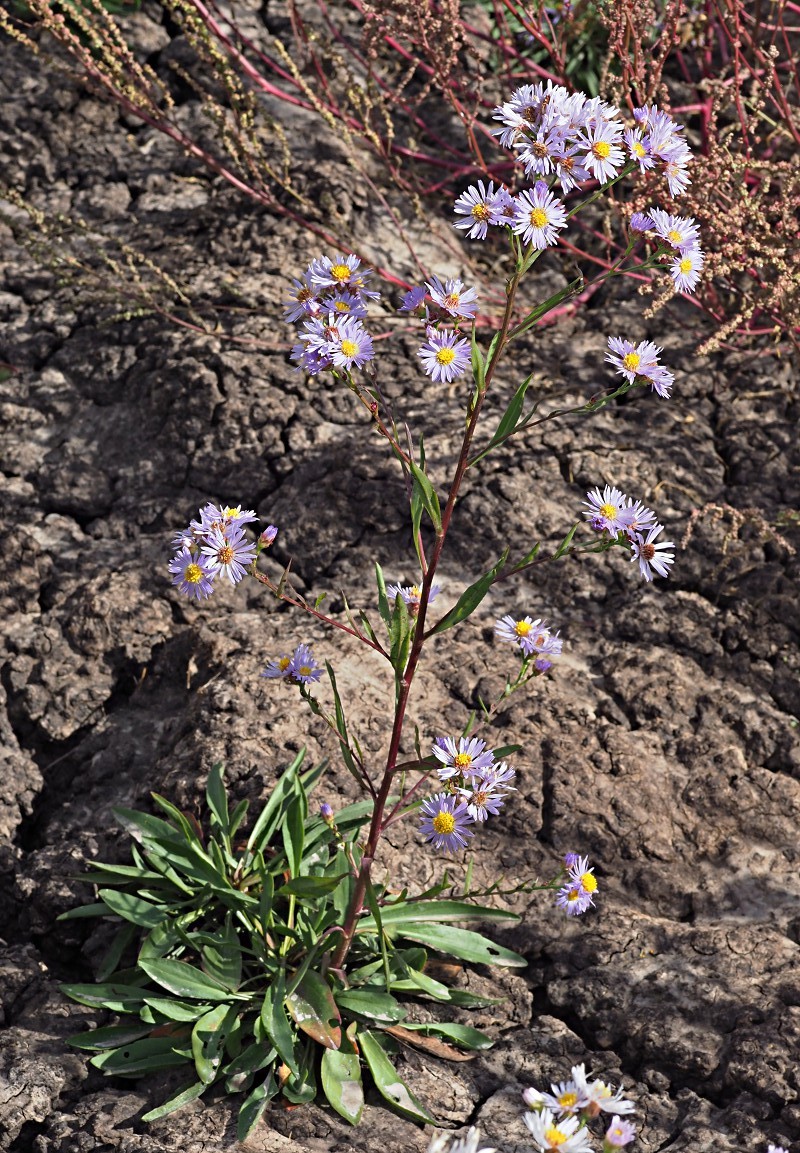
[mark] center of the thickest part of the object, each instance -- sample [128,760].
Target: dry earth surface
[665,744]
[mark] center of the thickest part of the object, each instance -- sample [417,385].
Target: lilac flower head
[483,797]
[342,303]
[571,860]
[539,216]
[411,594]
[303,302]
[566,1135]
[680,232]
[640,361]
[686,268]
[653,555]
[444,357]
[278,668]
[229,554]
[303,669]
[604,157]
[480,206]
[414,299]
[445,822]
[608,511]
[467,757]
[326,812]
[641,222]
[598,1097]
[573,899]
[453,297]
[352,344]
[192,573]
[619,1133]
[268,535]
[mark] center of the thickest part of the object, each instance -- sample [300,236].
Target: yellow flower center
[638,149]
[674,236]
[444,823]
[589,882]
[452,301]
[304,670]
[193,574]
[340,272]
[522,628]
[631,360]
[462,760]
[341,306]
[608,511]
[284,663]
[303,295]
[573,894]
[481,211]
[445,356]
[568,1100]
[554,1137]
[479,798]
[601,149]
[685,265]
[415,590]
[225,554]
[349,348]
[538,218]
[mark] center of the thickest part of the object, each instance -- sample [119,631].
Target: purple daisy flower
[638,149]
[685,269]
[453,297]
[413,299]
[343,303]
[619,1133]
[608,511]
[538,216]
[681,232]
[278,668]
[229,553]
[192,573]
[303,302]
[483,798]
[444,356]
[445,822]
[303,669]
[604,157]
[573,899]
[640,360]
[411,594]
[641,518]
[652,555]
[641,222]
[352,344]
[268,535]
[481,205]
[468,757]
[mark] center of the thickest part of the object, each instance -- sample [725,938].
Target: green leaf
[133,909]
[276,1024]
[437,911]
[109,1036]
[147,1056]
[371,1003]
[176,1010]
[427,494]
[566,542]
[470,598]
[118,998]
[399,635]
[185,980]
[208,1040]
[388,1082]
[252,1110]
[222,959]
[311,886]
[510,418]
[217,800]
[313,1009]
[341,1082]
[463,943]
[478,363]
[293,830]
[383,601]
[100,909]
[341,726]
[270,816]
[190,1093]
[466,1000]
[463,1035]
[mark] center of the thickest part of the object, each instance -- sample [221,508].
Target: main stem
[406,680]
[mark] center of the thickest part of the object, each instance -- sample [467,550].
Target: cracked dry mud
[665,745]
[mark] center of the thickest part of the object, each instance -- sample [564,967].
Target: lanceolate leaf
[377,1006]
[470,598]
[275,1022]
[463,943]
[388,1081]
[132,908]
[437,911]
[341,1082]
[186,981]
[191,1093]
[253,1108]
[208,1040]
[313,1009]
[144,1056]
[427,494]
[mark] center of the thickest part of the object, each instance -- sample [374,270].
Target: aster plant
[280,964]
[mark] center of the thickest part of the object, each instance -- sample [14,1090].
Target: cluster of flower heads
[299,669]
[612,512]
[571,139]
[533,638]
[475,787]
[560,1120]
[331,301]
[577,894]
[215,545]
[444,305]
